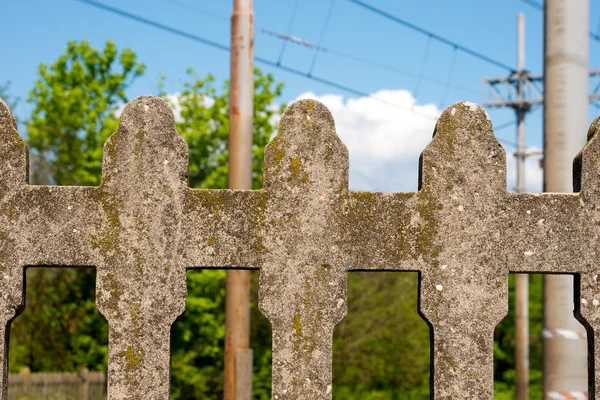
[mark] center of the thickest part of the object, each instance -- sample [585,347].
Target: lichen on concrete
[143,227]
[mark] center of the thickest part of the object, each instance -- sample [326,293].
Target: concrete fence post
[143,227]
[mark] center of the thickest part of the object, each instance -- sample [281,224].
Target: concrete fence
[143,227]
[81,385]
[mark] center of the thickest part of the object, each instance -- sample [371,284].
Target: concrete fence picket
[143,227]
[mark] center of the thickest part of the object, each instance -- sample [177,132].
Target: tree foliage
[381,348]
[60,330]
[75,100]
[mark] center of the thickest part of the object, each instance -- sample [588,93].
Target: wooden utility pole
[566,84]
[238,355]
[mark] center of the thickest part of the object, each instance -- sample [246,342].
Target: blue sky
[35,31]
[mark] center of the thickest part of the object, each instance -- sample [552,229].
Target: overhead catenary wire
[318,48]
[301,42]
[497,128]
[504,125]
[534,4]
[349,56]
[197,9]
[432,35]
[423,65]
[261,60]
[450,72]
[323,30]
[289,31]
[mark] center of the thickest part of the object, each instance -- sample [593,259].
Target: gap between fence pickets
[143,227]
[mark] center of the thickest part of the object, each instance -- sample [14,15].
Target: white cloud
[173,100]
[385,141]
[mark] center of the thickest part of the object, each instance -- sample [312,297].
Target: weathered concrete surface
[304,230]
[302,282]
[13,175]
[141,285]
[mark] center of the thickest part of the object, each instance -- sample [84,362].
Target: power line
[200,10]
[289,31]
[432,35]
[301,42]
[270,63]
[319,48]
[534,4]
[450,72]
[504,125]
[423,65]
[325,25]
[497,128]
[540,7]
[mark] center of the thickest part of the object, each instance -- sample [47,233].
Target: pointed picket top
[463,179]
[307,162]
[302,289]
[146,151]
[586,165]
[141,287]
[14,164]
[464,155]
[143,191]
[306,154]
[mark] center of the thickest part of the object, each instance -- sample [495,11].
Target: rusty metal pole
[521,280]
[241,110]
[566,81]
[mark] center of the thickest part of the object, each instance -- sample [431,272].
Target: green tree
[60,329]
[381,347]
[75,100]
